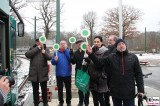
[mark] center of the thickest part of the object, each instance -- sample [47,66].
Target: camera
[11,79]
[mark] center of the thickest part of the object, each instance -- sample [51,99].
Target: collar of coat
[120,53]
[101,50]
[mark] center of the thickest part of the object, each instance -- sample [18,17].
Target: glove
[84,67]
[95,48]
[87,60]
[71,52]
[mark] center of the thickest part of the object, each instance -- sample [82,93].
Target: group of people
[112,70]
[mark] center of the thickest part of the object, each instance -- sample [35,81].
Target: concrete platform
[54,102]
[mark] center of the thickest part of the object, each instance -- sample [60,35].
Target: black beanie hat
[118,41]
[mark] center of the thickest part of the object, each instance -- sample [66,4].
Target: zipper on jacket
[122,64]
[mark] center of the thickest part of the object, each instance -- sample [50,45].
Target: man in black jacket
[124,70]
[77,58]
[111,49]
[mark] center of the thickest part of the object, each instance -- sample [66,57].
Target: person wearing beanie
[118,41]
[120,45]
[124,70]
[77,58]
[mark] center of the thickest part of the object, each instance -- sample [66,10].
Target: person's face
[63,45]
[97,42]
[79,45]
[38,43]
[121,47]
[111,41]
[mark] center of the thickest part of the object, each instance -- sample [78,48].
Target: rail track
[20,69]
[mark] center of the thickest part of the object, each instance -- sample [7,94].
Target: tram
[9,30]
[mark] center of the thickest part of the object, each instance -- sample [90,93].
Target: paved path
[54,102]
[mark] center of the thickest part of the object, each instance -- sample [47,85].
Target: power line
[28,21]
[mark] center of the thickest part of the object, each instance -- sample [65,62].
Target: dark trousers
[107,100]
[83,98]
[126,102]
[35,87]
[98,98]
[67,82]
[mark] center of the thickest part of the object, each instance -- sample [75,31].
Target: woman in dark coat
[98,77]
[38,72]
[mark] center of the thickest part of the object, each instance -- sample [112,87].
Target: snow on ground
[22,70]
[148,56]
[151,58]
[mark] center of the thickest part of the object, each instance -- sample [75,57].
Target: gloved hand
[95,48]
[84,67]
[71,52]
[87,60]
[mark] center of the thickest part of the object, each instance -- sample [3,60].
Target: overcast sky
[74,10]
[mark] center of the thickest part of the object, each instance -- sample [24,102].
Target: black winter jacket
[98,76]
[111,49]
[124,70]
[77,58]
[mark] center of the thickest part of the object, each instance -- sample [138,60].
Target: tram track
[25,80]
[22,70]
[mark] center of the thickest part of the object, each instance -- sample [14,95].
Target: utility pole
[57,21]
[120,19]
[35,28]
[145,42]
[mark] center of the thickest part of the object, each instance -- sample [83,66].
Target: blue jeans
[126,102]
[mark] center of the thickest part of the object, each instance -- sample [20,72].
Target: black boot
[35,104]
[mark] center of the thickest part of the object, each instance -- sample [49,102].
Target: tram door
[12,50]
[7,45]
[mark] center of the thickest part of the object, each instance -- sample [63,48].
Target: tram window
[20,29]
[2,46]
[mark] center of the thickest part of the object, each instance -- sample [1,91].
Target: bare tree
[130,16]
[47,10]
[89,20]
[19,4]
